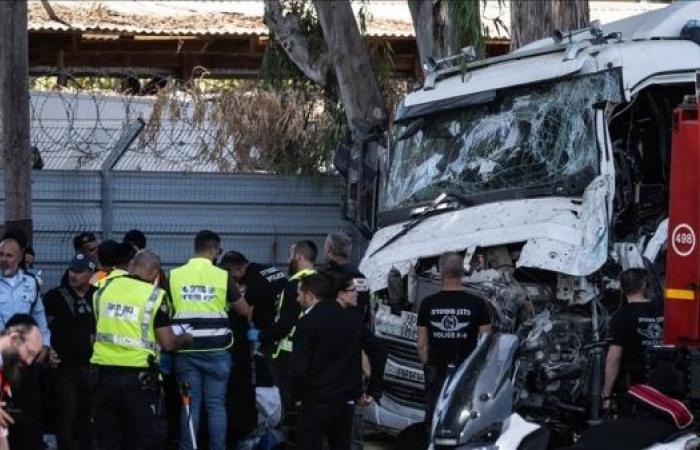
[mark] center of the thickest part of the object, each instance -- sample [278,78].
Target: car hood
[567,235]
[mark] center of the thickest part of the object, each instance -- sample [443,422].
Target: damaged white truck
[548,167]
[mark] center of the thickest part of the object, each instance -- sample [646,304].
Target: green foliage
[466,19]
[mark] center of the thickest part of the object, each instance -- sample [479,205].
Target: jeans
[73,394]
[325,423]
[358,429]
[207,374]
[126,413]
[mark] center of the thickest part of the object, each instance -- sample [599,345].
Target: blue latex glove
[253,334]
[166,362]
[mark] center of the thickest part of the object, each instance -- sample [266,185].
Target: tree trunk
[14,113]
[289,34]
[359,90]
[437,29]
[532,20]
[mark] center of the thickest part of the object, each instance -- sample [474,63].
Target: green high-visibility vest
[125,310]
[198,291]
[285,345]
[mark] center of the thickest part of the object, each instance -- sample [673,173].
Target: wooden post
[14,114]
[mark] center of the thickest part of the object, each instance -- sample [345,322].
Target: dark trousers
[282,375]
[27,433]
[434,379]
[72,392]
[127,414]
[325,423]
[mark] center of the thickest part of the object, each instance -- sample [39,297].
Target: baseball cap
[83,238]
[81,262]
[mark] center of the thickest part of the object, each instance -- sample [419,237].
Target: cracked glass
[528,137]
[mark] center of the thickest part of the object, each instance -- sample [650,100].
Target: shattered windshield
[530,136]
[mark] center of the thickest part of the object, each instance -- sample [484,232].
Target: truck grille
[402,351]
[404,390]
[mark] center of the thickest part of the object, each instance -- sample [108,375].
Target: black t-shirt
[453,319]
[263,285]
[636,327]
[162,318]
[72,322]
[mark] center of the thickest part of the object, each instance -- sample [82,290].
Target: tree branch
[290,36]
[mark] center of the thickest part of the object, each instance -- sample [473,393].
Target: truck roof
[649,51]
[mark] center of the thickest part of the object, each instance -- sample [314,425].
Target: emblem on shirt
[450,323]
[651,330]
[122,312]
[198,293]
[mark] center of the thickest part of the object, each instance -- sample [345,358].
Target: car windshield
[530,136]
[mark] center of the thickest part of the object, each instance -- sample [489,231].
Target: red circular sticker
[683,239]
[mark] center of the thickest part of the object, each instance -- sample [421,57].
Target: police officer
[449,324]
[19,294]
[261,285]
[279,335]
[202,295]
[133,318]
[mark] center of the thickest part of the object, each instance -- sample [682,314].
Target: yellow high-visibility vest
[198,291]
[125,309]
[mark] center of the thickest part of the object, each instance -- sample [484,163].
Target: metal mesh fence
[201,125]
[213,154]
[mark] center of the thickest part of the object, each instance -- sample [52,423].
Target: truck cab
[548,168]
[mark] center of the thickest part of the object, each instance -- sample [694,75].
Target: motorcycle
[477,410]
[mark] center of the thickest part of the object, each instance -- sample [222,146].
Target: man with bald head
[19,294]
[449,324]
[133,320]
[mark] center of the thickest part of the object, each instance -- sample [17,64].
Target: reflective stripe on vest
[125,310]
[285,345]
[125,341]
[199,291]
